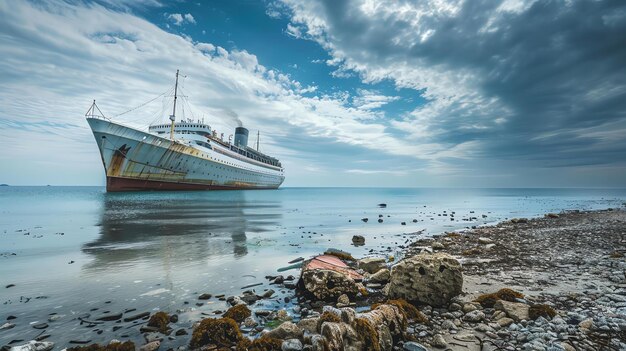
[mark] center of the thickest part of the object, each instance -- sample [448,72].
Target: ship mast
[173,115]
[258,133]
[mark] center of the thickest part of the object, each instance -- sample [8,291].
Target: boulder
[291,345]
[358,240]
[380,277]
[432,279]
[286,330]
[515,310]
[340,336]
[309,325]
[372,264]
[327,284]
[34,346]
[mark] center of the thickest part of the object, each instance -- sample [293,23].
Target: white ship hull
[137,160]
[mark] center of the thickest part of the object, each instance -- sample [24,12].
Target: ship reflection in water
[176,228]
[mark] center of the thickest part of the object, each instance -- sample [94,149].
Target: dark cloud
[553,71]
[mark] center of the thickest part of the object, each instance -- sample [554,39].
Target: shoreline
[546,274]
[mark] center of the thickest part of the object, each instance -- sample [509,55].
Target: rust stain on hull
[115,184]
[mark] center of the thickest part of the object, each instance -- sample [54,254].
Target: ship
[183,154]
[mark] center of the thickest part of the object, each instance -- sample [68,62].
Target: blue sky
[346,93]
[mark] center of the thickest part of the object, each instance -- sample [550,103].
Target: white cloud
[189,18]
[55,63]
[177,18]
[180,19]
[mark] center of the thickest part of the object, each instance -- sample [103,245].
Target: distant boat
[180,155]
[4,184]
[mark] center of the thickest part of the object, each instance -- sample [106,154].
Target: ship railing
[94,112]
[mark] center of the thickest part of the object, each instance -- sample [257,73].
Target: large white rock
[432,279]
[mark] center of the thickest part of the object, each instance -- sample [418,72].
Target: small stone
[439,342]
[358,240]
[6,326]
[180,332]
[586,324]
[291,345]
[343,300]
[474,316]
[413,346]
[516,310]
[151,346]
[505,322]
[469,307]
[205,296]
[40,325]
[437,246]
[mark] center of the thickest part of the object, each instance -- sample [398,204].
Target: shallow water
[69,250]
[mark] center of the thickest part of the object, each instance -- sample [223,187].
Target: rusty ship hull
[136,160]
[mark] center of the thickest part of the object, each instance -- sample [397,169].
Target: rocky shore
[552,283]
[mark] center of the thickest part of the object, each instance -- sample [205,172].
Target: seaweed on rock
[506,294]
[159,320]
[222,332]
[264,343]
[116,346]
[542,310]
[367,334]
[408,311]
[238,313]
[327,317]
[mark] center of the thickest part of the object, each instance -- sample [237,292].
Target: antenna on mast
[258,134]
[173,115]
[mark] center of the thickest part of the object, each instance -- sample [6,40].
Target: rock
[286,330]
[586,324]
[371,265]
[291,345]
[327,284]
[380,277]
[484,240]
[505,322]
[358,240]
[474,316]
[413,346]
[432,279]
[137,316]
[40,325]
[7,326]
[268,294]
[309,325]
[204,296]
[110,317]
[34,346]
[437,246]
[439,341]
[318,343]
[469,307]
[343,300]
[181,332]
[339,336]
[516,310]
[151,346]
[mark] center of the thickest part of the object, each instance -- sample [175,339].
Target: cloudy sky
[446,93]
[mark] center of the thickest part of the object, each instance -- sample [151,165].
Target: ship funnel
[241,137]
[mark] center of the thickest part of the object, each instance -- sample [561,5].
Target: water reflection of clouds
[179,228]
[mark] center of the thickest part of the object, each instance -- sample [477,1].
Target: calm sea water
[78,250]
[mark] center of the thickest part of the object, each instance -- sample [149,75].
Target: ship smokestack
[241,137]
